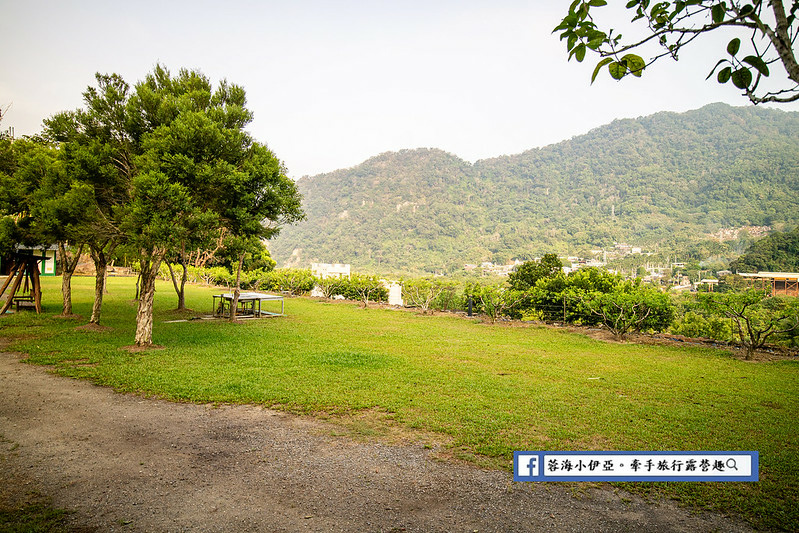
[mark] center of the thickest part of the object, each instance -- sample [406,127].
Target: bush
[495,300]
[757,317]
[291,280]
[631,308]
[426,293]
[561,297]
[694,324]
[363,288]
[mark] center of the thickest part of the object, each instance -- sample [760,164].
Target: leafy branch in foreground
[769,30]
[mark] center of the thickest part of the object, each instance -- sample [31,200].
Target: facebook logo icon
[527,466]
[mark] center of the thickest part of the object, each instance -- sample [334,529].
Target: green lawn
[487,390]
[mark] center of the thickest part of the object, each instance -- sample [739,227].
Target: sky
[333,83]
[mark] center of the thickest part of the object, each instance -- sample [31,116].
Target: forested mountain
[659,181]
[779,252]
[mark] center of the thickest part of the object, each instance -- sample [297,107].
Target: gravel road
[125,463]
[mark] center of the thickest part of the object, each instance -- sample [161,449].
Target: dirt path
[123,463]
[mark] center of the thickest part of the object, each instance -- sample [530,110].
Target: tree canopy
[779,252]
[169,163]
[767,33]
[529,272]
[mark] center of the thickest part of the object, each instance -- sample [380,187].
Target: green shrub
[291,280]
[427,293]
[694,324]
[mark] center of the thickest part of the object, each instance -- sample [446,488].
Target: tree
[330,286]
[770,32]
[259,200]
[167,162]
[631,308]
[198,168]
[495,300]
[558,297]
[529,272]
[364,288]
[98,155]
[294,281]
[422,292]
[59,210]
[40,203]
[756,317]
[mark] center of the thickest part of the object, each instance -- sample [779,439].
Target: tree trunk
[68,267]
[236,290]
[100,264]
[144,313]
[182,297]
[180,290]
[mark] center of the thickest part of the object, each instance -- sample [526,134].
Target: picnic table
[249,304]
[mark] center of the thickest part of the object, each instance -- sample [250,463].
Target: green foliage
[357,287]
[665,181]
[779,252]
[289,280]
[363,288]
[259,259]
[38,204]
[222,276]
[631,308]
[756,316]
[697,325]
[427,293]
[560,298]
[331,286]
[670,26]
[529,272]
[172,167]
[495,301]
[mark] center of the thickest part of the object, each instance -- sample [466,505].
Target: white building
[328,270]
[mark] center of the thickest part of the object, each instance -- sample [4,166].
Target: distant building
[499,270]
[779,283]
[394,293]
[328,270]
[709,282]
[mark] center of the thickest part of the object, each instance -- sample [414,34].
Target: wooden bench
[24,302]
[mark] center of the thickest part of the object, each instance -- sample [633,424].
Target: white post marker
[635,466]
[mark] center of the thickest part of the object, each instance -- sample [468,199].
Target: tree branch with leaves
[768,30]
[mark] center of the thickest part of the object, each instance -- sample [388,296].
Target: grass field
[483,390]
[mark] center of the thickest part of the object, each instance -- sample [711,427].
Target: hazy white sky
[333,83]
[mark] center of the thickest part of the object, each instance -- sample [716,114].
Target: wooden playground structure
[25,288]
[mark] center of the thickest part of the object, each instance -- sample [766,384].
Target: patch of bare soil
[94,327]
[182,313]
[121,462]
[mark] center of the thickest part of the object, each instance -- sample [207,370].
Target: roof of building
[774,275]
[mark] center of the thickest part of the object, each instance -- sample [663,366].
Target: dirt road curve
[123,463]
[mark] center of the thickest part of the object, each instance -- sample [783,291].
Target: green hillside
[663,181]
[779,252]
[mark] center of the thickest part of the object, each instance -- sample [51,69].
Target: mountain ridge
[658,180]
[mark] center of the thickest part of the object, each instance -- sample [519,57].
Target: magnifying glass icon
[732,464]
